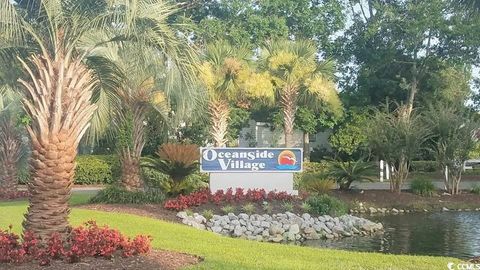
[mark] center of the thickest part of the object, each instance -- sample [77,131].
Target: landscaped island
[219,252]
[239,134]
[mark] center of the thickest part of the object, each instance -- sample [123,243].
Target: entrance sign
[278,160]
[270,169]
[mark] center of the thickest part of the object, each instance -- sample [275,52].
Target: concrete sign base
[268,181]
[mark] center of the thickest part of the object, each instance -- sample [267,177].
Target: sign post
[251,168]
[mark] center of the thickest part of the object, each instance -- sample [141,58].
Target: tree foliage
[349,137]
[396,138]
[454,137]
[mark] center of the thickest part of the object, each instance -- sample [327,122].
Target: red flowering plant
[89,240]
[204,196]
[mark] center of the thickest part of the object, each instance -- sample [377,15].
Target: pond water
[453,234]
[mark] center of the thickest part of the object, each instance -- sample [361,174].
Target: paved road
[386,185]
[365,185]
[466,185]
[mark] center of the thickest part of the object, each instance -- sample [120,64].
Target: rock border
[395,211]
[283,227]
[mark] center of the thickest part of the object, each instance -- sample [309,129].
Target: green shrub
[316,183]
[92,170]
[422,186]
[315,167]
[154,178]
[267,208]
[309,168]
[424,166]
[326,205]
[345,173]
[178,161]
[476,189]
[207,214]
[228,209]
[115,194]
[287,206]
[306,207]
[249,208]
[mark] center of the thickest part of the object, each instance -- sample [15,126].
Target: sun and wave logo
[287,161]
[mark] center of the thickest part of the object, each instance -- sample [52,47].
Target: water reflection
[454,234]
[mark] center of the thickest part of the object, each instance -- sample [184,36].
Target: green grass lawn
[228,253]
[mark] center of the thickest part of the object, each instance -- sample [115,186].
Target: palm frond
[11,23]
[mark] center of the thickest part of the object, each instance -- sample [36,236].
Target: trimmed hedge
[424,166]
[116,194]
[315,167]
[93,169]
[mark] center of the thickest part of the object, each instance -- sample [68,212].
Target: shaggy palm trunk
[130,155]
[399,175]
[10,144]
[58,100]
[453,177]
[219,113]
[288,102]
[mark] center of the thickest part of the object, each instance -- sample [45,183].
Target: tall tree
[61,82]
[10,150]
[252,22]
[398,140]
[454,131]
[152,77]
[298,78]
[392,47]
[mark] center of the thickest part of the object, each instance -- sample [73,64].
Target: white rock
[294,229]
[182,215]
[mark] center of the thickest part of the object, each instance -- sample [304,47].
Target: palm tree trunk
[53,168]
[9,155]
[130,155]
[131,178]
[9,177]
[219,113]
[58,100]
[289,104]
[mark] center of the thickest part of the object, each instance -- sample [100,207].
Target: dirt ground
[156,259]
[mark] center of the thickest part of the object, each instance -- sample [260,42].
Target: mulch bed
[147,210]
[157,210]
[156,259]
[374,198]
[408,200]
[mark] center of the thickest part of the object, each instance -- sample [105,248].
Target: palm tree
[63,77]
[228,77]
[147,86]
[10,149]
[298,77]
